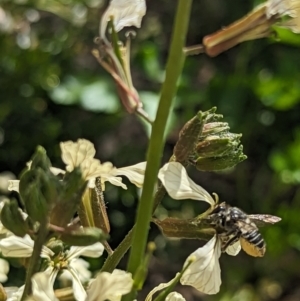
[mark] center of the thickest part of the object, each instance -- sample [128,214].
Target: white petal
[179,186]
[279,7]
[158,288]
[74,153]
[42,290]
[125,13]
[234,249]
[4,269]
[204,272]
[81,154]
[56,171]
[14,246]
[81,267]
[78,290]
[13,185]
[94,251]
[110,286]
[174,296]
[14,294]
[135,173]
[116,181]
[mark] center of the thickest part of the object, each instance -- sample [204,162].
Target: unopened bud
[72,189]
[83,237]
[40,159]
[216,146]
[55,245]
[213,128]
[38,190]
[220,163]
[12,219]
[189,135]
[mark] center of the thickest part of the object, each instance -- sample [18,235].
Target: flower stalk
[173,71]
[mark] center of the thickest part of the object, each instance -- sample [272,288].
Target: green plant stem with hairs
[169,88]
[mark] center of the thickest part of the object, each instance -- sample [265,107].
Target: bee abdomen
[255,238]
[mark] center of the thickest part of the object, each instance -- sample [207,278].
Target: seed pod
[83,236]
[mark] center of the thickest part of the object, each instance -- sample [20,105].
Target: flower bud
[12,219]
[37,192]
[40,159]
[83,236]
[216,146]
[213,128]
[72,189]
[222,162]
[55,245]
[189,135]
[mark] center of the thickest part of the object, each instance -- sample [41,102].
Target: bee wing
[179,186]
[204,272]
[252,249]
[234,249]
[264,219]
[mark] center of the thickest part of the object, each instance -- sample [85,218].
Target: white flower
[125,13]
[280,8]
[81,154]
[66,260]
[22,247]
[110,286]
[204,272]
[81,266]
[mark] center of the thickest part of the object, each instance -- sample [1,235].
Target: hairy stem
[173,71]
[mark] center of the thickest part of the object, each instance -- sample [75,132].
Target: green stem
[113,260]
[35,258]
[173,71]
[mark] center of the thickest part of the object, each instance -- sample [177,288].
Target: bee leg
[231,241]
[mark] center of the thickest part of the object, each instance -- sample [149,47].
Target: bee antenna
[216,197]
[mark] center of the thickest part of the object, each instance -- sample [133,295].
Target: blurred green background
[52,89]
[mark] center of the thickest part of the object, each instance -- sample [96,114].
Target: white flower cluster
[204,272]
[105,285]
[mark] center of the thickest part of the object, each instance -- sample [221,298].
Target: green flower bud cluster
[206,142]
[189,134]
[50,201]
[217,148]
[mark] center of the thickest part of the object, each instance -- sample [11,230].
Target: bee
[233,225]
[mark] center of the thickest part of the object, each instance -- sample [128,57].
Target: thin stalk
[113,259]
[173,71]
[33,266]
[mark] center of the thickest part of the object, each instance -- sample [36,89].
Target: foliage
[53,89]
